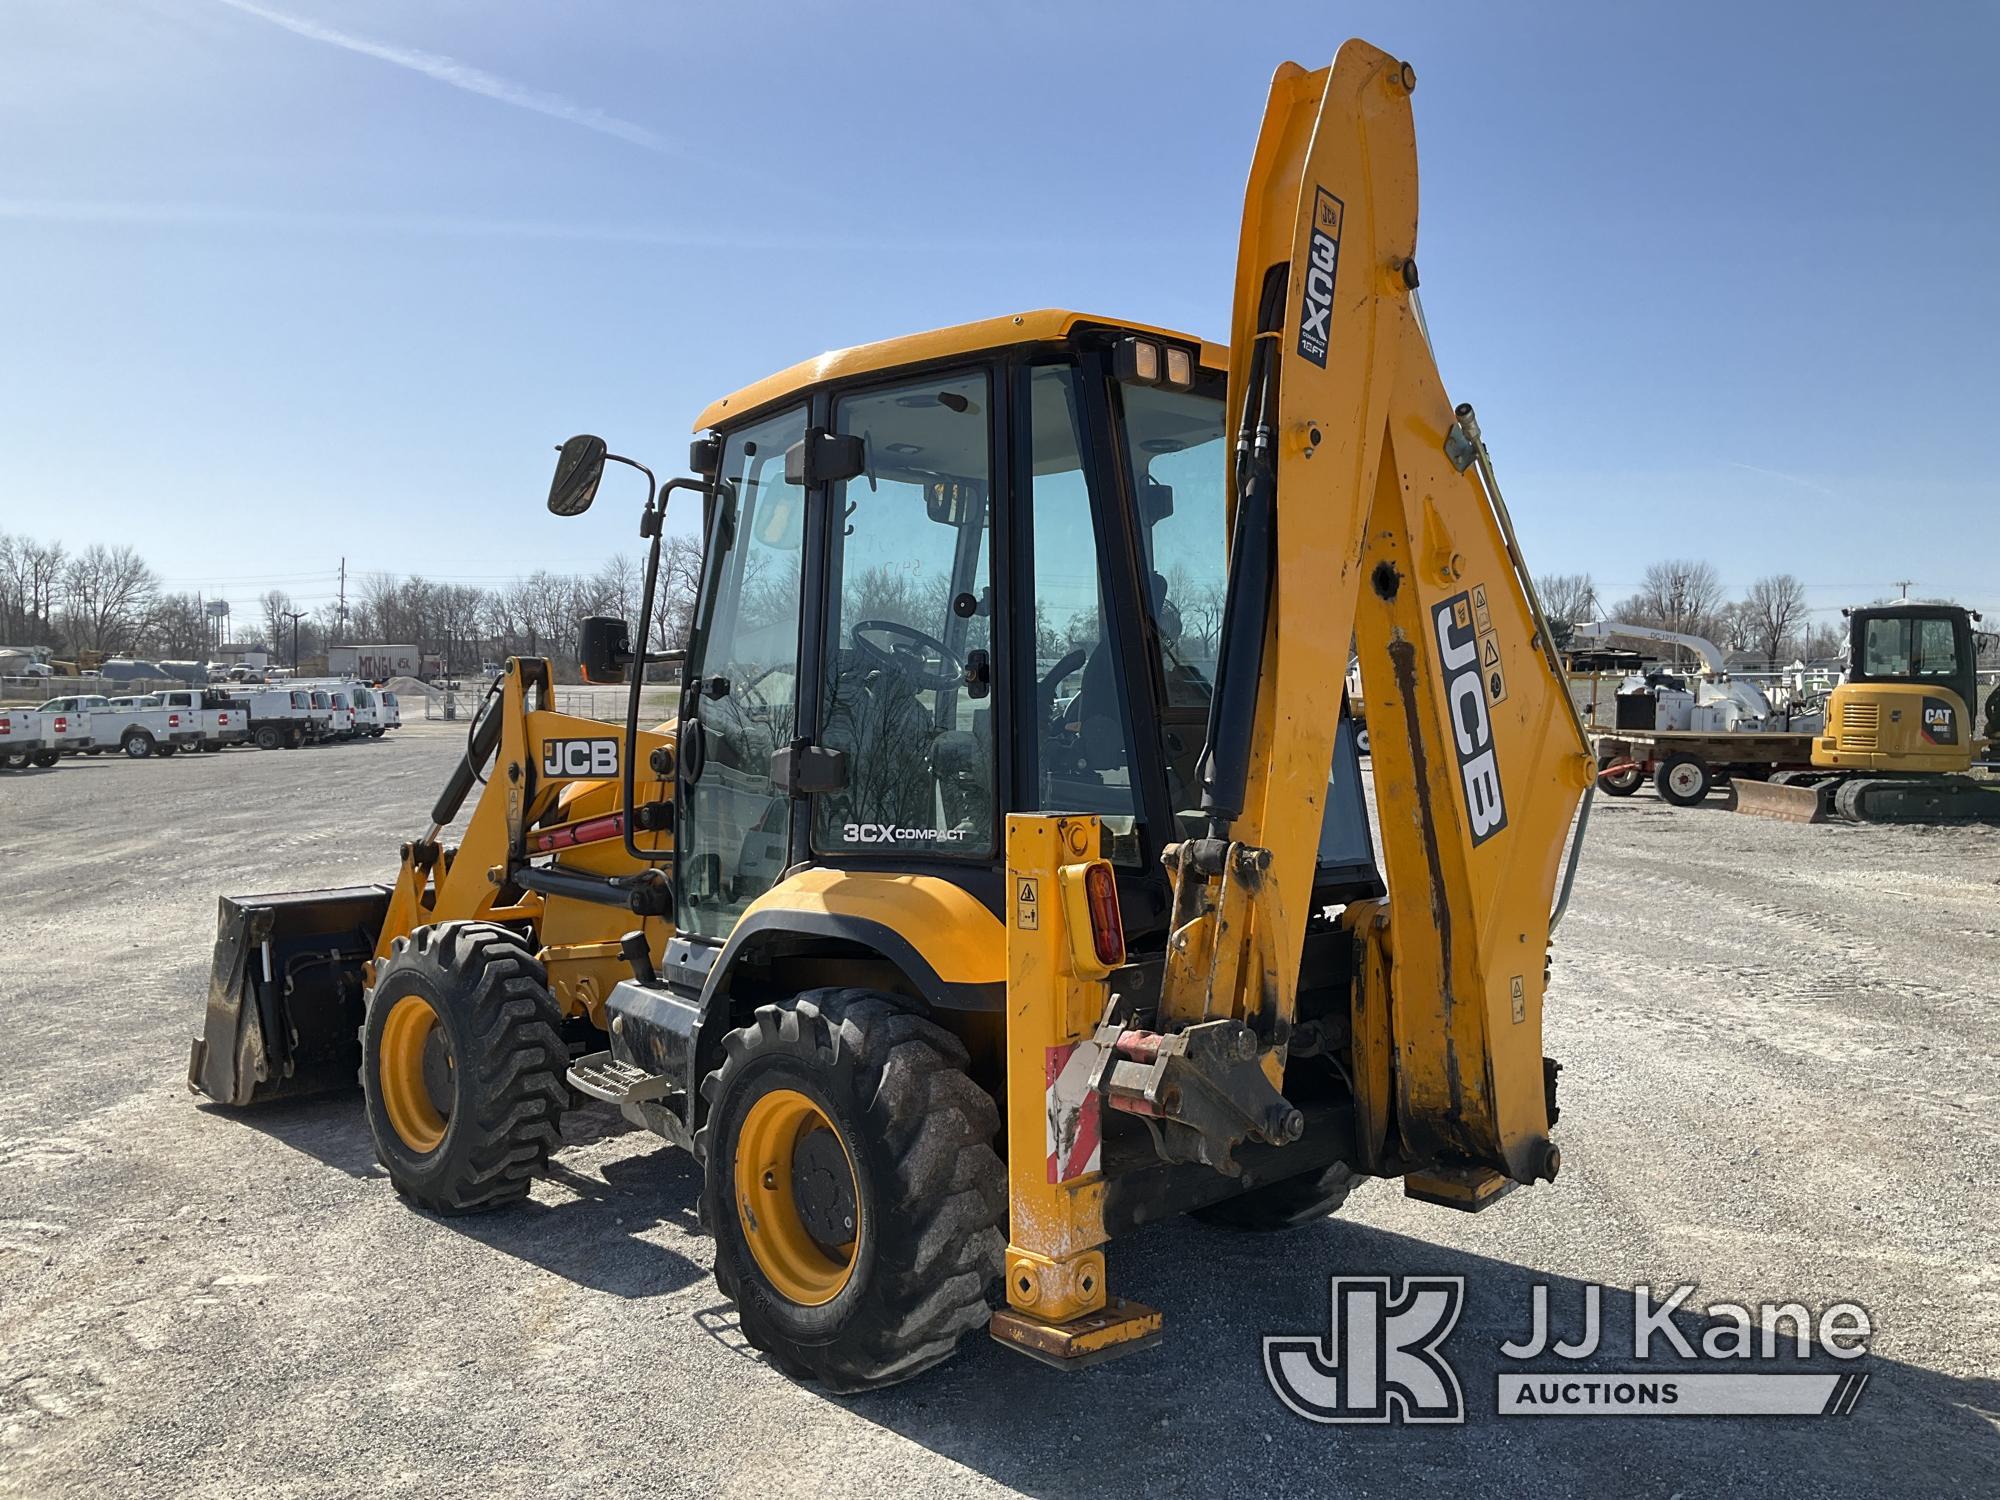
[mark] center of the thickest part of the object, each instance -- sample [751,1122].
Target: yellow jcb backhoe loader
[1900,735]
[1006,881]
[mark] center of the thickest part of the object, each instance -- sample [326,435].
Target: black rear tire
[1683,779]
[45,758]
[929,1191]
[1623,784]
[269,738]
[1295,1201]
[503,1075]
[139,745]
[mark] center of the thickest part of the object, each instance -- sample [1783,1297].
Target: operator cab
[866,687]
[1928,645]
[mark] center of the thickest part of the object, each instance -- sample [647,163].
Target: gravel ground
[1780,1051]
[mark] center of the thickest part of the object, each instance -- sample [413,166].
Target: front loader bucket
[285,994]
[1775,799]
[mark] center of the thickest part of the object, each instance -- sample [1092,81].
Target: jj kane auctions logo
[1382,1358]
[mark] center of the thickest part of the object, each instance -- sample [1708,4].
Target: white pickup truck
[67,721]
[142,728]
[221,719]
[278,718]
[26,738]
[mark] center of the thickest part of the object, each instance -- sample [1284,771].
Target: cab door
[905,646]
[740,704]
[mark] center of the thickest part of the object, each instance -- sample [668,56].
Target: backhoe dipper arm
[1363,510]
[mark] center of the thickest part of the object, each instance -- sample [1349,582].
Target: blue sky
[291,280]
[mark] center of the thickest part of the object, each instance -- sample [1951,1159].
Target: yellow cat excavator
[1901,729]
[1006,880]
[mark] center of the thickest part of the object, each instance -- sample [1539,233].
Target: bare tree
[1679,595]
[1777,608]
[106,594]
[30,578]
[1567,598]
[176,629]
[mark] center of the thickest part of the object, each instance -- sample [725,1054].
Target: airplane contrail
[458,75]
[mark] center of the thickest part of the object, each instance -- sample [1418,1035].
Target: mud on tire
[930,1189]
[1286,1204]
[505,1080]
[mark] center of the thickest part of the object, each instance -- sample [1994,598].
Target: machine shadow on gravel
[1199,1409]
[591,1236]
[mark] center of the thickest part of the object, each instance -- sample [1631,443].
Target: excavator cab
[1908,699]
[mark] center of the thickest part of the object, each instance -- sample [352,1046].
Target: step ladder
[603,1076]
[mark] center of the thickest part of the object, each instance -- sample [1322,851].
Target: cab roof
[1045,325]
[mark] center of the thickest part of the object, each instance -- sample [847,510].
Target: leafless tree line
[109,599]
[1771,620]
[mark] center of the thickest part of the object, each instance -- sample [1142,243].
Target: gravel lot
[1780,1082]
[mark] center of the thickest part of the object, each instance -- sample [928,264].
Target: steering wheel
[909,653]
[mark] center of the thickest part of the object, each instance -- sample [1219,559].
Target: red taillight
[61,724]
[1107,928]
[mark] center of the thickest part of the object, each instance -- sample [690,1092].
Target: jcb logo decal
[580,758]
[1471,724]
[1322,261]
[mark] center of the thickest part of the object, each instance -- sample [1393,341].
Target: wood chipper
[1005,881]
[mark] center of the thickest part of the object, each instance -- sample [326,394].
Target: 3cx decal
[1383,1358]
[1471,724]
[1322,262]
[580,758]
[888,833]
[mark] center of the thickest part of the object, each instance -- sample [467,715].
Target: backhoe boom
[1362,511]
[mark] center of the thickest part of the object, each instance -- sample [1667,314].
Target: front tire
[1683,779]
[842,1113]
[1286,1204]
[463,1064]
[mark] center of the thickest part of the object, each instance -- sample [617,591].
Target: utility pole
[343,598]
[295,615]
[1904,585]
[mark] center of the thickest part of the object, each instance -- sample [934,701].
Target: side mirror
[579,467]
[605,649]
[822,457]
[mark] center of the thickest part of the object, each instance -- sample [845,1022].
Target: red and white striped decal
[1075,1126]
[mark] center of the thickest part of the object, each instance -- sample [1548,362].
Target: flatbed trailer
[1686,764]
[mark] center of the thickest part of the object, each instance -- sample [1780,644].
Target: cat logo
[1322,261]
[1465,690]
[1940,722]
[580,758]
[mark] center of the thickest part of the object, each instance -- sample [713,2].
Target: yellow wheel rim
[418,1107]
[791,1199]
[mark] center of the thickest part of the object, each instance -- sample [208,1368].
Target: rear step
[603,1076]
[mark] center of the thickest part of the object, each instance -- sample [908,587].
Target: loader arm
[1362,510]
